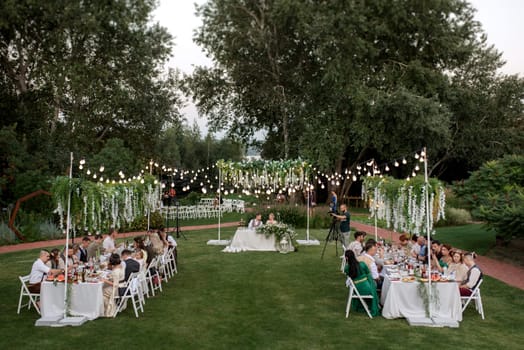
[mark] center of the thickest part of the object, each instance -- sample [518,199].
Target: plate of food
[424,280]
[408,279]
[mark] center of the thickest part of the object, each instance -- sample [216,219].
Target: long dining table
[403,300]
[86,299]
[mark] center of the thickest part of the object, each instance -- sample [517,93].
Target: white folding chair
[354,294]
[343,259]
[475,295]
[150,275]
[24,292]
[132,292]
[165,266]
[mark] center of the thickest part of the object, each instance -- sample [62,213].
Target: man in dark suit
[131,264]
[82,250]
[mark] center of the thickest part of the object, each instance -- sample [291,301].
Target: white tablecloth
[247,239]
[87,300]
[402,299]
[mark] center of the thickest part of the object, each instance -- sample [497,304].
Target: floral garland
[402,204]
[96,206]
[279,230]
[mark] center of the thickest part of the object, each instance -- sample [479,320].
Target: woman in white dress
[271,219]
[111,285]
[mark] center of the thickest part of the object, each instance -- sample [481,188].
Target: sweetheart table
[249,240]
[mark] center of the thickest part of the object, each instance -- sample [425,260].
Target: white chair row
[148,282]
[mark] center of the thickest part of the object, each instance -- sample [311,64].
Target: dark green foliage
[495,194]
[140,223]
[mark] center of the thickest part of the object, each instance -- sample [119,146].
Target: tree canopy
[343,81]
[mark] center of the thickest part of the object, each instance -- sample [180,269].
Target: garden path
[512,275]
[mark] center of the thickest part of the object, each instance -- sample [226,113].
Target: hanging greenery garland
[402,203]
[96,206]
[268,176]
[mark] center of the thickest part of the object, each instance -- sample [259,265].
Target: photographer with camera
[344,219]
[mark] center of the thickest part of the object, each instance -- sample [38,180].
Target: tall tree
[356,79]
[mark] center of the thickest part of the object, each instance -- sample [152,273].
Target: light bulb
[387,168]
[404,161]
[396,164]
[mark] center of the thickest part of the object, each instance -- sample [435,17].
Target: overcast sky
[501,20]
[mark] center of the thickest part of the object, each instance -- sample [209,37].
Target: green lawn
[255,301]
[473,237]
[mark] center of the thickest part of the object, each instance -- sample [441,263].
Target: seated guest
[39,270]
[138,244]
[112,285]
[404,245]
[156,242]
[271,220]
[82,249]
[54,260]
[473,277]
[72,261]
[256,222]
[130,264]
[139,256]
[361,276]
[435,249]
[444,261]
[415,247]
[368,257]
[94,248]
[423,253]
[356,246]
[457,267]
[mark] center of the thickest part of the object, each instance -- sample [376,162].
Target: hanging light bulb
[404,161]
[417,156]
[408,179]
[413,174]
[354,178]
[322,187]
[396,164]
[88,172]
[141,181]
[80,167]
[101,169]
[417,168]
[422,154]
[94,176]
[368,174]
[204,190]
[387,168]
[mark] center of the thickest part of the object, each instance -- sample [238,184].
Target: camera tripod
[177,227]
[333,235]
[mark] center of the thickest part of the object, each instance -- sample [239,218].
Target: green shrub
[140,223]
[6,235]
[495,194]
[455,217]
[191,199]
[49,230]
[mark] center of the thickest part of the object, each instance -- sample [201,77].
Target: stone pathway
[512,275]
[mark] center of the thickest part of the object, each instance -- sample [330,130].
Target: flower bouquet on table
[56,278]
[284,235]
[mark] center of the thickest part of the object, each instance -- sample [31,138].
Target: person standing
[333,202]
[93,250]
[82,249]
[345,219]
[109,242]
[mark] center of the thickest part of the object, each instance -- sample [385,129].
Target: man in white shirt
[109,242]
[39,270]
[256,222]
[356,245]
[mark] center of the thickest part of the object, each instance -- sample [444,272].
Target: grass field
[255,300]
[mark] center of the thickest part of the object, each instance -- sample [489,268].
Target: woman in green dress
[359,273]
